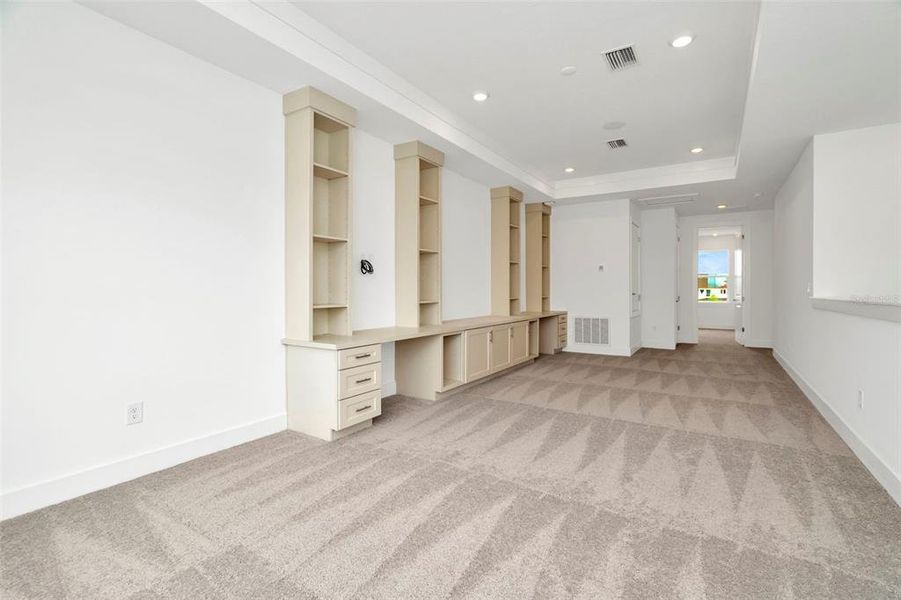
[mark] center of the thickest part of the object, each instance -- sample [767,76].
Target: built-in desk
[334,381]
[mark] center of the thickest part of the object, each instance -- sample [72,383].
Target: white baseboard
[389,388]
[875,465]
[594,349]
[659,344]
[46,493]
[758,343]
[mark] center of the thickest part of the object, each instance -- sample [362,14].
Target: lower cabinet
[478,348]
[519,342]
[500,347]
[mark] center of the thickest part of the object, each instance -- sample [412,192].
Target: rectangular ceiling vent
[617,144]
[620,58]
[592,330]
[669,200]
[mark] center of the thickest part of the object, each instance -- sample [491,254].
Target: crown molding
[703,171]
[281,23]
[287,27]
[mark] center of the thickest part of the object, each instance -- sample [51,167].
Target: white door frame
[692,335]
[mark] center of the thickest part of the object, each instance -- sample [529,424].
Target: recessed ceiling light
[480,96]
[569,170]
[721,206]
[715,234]
[758,195]
[569,70]
[614,125]
[697,150]
[682,41]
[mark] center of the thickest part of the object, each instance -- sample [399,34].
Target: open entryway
[720,294]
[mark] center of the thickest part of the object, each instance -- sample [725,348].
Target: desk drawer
[357,409]
[354,357]
[358,380]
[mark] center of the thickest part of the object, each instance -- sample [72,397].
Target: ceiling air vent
[620,58]
[617,144]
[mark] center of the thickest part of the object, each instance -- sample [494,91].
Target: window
[713,276]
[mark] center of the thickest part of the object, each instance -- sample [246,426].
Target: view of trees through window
[713,276]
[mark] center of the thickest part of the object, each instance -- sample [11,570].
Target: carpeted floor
[697,473]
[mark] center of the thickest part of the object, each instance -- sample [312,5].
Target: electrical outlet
[860,399]
[134,413]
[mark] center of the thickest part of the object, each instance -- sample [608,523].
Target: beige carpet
[696,473]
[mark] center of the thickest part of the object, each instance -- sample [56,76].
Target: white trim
[599,349]
[758,344]
[32,497]
[292,30]
[389,388]
[661,344]
[702,171]
[875,465]
[867,310]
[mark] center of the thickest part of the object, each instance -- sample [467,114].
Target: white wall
[658,279]
[373,232]
[833,355]
[142,229]
[757,281]
[856,214]
[585,236]
[465,247]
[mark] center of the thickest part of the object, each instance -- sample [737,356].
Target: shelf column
[318,208]
[505,251]
[417,234]
[538,267]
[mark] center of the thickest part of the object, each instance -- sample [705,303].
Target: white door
[738,290]
[636,270]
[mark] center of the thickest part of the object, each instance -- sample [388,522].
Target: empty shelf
[327,172]
[328,239]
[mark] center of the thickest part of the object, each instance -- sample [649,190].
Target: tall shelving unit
[505,251]
[318,207]
[538,257]
[417,234]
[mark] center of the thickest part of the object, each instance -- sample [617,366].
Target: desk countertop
[365,337]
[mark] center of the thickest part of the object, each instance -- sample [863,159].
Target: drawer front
[358,380]
[357,409]
[354,357]
[561,327]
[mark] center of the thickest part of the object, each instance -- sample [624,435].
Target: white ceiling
[751,96]
[675,99]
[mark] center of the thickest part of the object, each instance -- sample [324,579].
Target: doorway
[719,298]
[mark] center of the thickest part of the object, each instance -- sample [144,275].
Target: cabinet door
[500,347]
[519,342]
[477,353]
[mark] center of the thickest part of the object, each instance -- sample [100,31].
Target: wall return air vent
[592,330]
[620,58]
[617,144]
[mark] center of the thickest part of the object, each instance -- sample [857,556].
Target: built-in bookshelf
[506,263]
[417,234]
[538,255]
[317,214]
